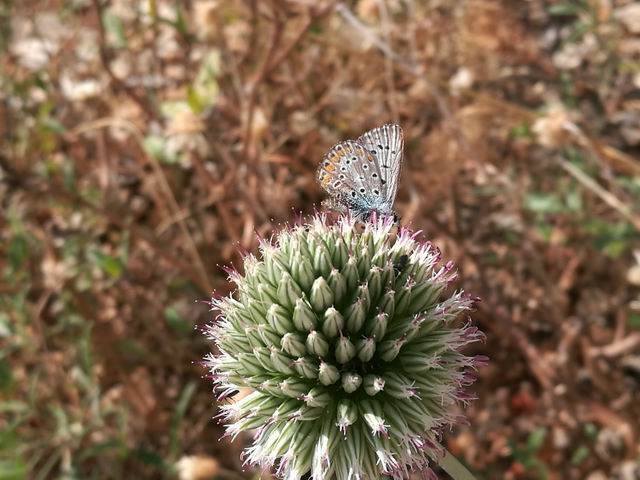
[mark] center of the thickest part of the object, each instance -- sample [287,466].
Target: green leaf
[520,130]
[543,203]
[536,439]
[566,9]
[580,455]
[176,321]
[6,375]
[111,265]
[13,469]
[634,321]
[181,409]
[113,25]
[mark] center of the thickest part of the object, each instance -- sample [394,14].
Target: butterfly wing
[386,144]
[350,174]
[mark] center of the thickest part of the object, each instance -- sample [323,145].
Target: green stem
[454,467]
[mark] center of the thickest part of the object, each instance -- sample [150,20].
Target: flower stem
[455,469]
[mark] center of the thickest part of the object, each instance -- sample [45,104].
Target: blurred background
[144,143]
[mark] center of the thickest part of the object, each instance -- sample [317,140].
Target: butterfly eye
[376,192]
[374,175]
[341,177]
[353,159]
[362,190]
[373,151]
[337,183]
[343,169]
[365,166]
[353,194]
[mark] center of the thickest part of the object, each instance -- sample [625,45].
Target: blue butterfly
[361,176]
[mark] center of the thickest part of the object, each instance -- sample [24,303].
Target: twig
[617,348]
[604,195]
[146,107]
[164,185]
[273,59]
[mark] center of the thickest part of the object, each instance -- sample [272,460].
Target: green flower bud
[345,350]
[389,349]
[279,319]
[293,388]
[374,282]
[351,381]
[356,316]
[288,291]
[306,367]
[294,344]
[321,295]
[373,384]
[328,374]
[303,317]
[377,326]
[347,414]
[303,271]
[317,344]
[366,347]
[281,362]
[317,397]
[333,323]
[338,284]
[350,273]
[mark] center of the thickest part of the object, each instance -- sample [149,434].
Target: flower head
[347,343]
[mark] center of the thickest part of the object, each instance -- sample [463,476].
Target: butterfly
[361,176]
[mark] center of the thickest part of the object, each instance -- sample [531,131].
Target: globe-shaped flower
[346,342]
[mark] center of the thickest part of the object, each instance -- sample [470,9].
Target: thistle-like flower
[347,344]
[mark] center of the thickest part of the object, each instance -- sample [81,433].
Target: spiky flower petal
[347,343]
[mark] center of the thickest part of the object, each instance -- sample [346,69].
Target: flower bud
[302,271]
[351,381]
[328,374]
[317,397]
[317,344]
[387,304]
[366,348]
[321,295]
[306,367]
[377,326]
[374,282]
[321,261]
[350,273]
[389,349]
[333,323]
[356,315]
[293,344]
[345,350]
[347,414]
[288,291]
[373,384]
[293,388]
[303,317]
[280,361]
[279,319]
[338,284]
